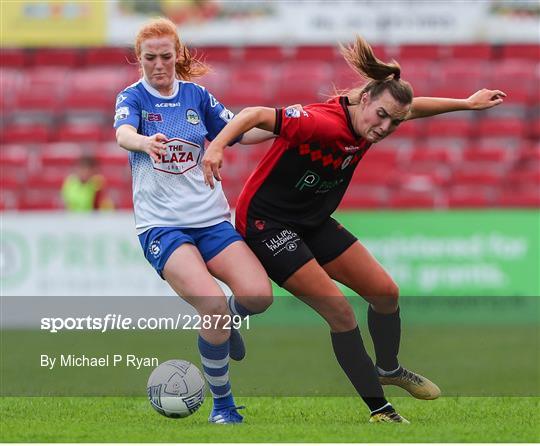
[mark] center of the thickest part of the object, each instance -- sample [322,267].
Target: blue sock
[215,361]
[237,309]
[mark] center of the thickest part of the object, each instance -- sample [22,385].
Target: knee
[215,308]
[256,297]
[340,316]
[387,298]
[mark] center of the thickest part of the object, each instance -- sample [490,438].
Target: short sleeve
[128,109]
[296,126]
[216,116]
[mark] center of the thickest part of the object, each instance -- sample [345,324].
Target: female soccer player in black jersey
[284,213]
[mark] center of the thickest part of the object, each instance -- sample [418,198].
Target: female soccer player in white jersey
[183,226]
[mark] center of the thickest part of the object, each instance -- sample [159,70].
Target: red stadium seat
[62,155]
[501,127]
[374,175]
[13,58]
[211,54]
[269,53]
[448,127]
[419,52]
[488,155]
[521,51]
[83,100]
[74,132]
[38,200]
[111,56]
[51,78]
[441,155]
[474,51]
[534,129]
[13,158]
[257,72]
[25,133]
[475,177]
[412,200]
[66,57]
[103,79]
[467,198]
[522,199]
[317,53]
[472,73]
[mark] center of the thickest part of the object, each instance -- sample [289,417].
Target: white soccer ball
[176,388]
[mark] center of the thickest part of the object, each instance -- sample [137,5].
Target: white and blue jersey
[172,193]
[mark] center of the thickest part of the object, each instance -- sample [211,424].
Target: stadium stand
[463,160]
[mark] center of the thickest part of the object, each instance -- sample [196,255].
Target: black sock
[357,365]
[385,330]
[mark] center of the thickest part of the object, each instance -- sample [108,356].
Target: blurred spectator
[84,190]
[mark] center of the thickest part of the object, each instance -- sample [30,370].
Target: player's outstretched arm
[423,107]
[262,117]
[128,138]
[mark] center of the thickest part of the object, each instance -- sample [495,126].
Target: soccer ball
[176,388]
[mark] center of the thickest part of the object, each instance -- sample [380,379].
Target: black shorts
[283,250]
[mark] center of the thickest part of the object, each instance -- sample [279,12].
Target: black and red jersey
[303,177]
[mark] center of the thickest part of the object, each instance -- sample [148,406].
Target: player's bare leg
[252,292]
[187,274]
[360,271]
[313,286]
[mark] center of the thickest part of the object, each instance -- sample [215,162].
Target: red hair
[187,67]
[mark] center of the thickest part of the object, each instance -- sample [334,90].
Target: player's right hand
[154,146]
[211,164]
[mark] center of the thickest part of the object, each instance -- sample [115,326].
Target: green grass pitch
[267,419]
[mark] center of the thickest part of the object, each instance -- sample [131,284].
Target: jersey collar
[156,93]
[344,101]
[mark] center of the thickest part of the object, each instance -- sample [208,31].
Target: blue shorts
[159,243]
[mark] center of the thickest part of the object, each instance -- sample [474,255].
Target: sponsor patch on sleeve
[292,112]
[226,115]
[121,113]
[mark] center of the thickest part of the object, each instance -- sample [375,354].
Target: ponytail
[381,76]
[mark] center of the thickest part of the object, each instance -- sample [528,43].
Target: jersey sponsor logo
[155,248]
[121,98]
[121,113]
[226,115]
[309,180]
[180,157]
[168,104]
[312,181]
[192,117]
[285,240]
[351,148]
[152,117]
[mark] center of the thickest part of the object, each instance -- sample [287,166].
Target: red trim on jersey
[254,182]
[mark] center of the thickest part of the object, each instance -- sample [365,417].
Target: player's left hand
[485,98]
[211,164]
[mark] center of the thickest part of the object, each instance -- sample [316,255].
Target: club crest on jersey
[292,112]
[192,117]
[180,157]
